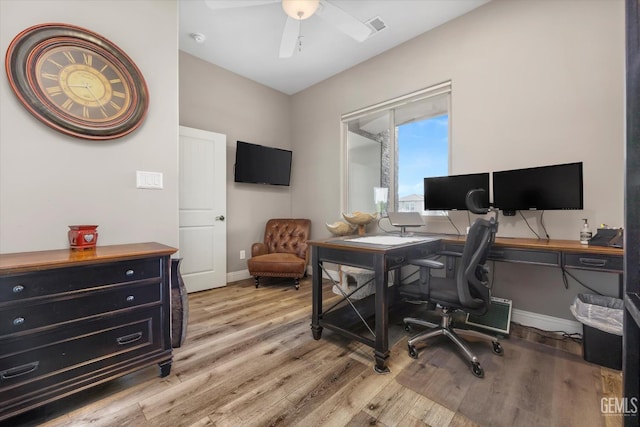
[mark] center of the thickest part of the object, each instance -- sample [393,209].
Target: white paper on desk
[389,240]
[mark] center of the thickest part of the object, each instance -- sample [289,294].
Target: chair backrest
[472,276]
[288,235]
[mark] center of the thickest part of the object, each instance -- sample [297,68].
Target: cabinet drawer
[35,284]
[32,365]
[549,258]
[593,262]
[16,318]
[499,253]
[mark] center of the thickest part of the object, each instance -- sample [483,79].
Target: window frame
[443,88]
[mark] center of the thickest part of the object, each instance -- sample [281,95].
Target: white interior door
[202,209]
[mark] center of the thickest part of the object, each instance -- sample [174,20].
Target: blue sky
[423,152]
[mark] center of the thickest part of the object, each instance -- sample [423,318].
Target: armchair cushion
[277,265]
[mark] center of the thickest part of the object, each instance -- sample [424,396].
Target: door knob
[220,218]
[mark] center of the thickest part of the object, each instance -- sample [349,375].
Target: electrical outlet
[242,255]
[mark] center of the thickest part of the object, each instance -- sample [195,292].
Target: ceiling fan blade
[233,4]
[289,37]
[343,21]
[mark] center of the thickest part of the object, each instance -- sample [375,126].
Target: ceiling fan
[298,10]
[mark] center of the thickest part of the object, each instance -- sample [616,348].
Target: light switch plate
[149,180]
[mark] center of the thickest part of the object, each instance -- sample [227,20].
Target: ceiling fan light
[300,9]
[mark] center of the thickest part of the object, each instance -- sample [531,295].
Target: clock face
[77,82]
[81,84]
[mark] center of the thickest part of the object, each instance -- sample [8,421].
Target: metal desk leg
[316,292]
[381,351]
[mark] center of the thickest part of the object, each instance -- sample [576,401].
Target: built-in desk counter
[564,254]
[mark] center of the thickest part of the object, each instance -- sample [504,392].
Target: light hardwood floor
[250,360]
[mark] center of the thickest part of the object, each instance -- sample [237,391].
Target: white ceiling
[246,40]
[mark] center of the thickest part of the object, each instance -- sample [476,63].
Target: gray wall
[49,180]
[214,99]
[534,83]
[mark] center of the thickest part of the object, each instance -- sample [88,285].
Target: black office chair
[467,291]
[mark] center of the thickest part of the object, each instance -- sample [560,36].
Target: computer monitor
[448,193]
[539,188]
[404,220]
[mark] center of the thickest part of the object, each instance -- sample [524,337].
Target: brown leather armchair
[284,252]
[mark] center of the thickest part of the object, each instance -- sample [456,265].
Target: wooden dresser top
[41,260]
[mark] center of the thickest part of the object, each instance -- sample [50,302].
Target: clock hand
[96,98]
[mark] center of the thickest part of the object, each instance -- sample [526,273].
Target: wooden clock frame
[31,44]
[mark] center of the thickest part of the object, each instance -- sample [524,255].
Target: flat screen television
[448,193]
[551,187]
[258,164]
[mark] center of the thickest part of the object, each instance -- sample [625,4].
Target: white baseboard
[544,322]
[234,276]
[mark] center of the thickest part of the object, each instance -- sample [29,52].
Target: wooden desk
[381,259]
[565,254]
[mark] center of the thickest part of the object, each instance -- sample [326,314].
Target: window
[395,145]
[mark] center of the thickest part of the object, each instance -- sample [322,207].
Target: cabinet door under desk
[70,320]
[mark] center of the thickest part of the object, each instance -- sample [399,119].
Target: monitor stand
[403,231]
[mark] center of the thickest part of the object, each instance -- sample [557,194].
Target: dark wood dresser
[71,319]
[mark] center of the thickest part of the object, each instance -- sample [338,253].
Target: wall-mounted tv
[541,188]
[447,193]
[258,164]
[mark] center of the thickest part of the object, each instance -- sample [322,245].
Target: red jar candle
[83,236]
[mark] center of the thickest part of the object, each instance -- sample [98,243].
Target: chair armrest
[258,249]
[428,263]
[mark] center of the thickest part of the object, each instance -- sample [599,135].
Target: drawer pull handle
[130,298]
[129,273]
[128,339]
[17,289]
[19,370]
[593,262]
[18,321]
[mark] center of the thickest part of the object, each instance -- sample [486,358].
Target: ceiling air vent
[376,24]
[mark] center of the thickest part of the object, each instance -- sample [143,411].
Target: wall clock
[76,81]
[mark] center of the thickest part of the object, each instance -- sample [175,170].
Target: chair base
[453,334]
[296,282]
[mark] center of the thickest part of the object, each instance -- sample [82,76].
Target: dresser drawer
[19,287]
[593,262]
[48,312]
[32,365]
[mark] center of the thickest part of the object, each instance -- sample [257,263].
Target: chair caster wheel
[413,353]
[408,328]
[477,370]
[497,348]
[297,287]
